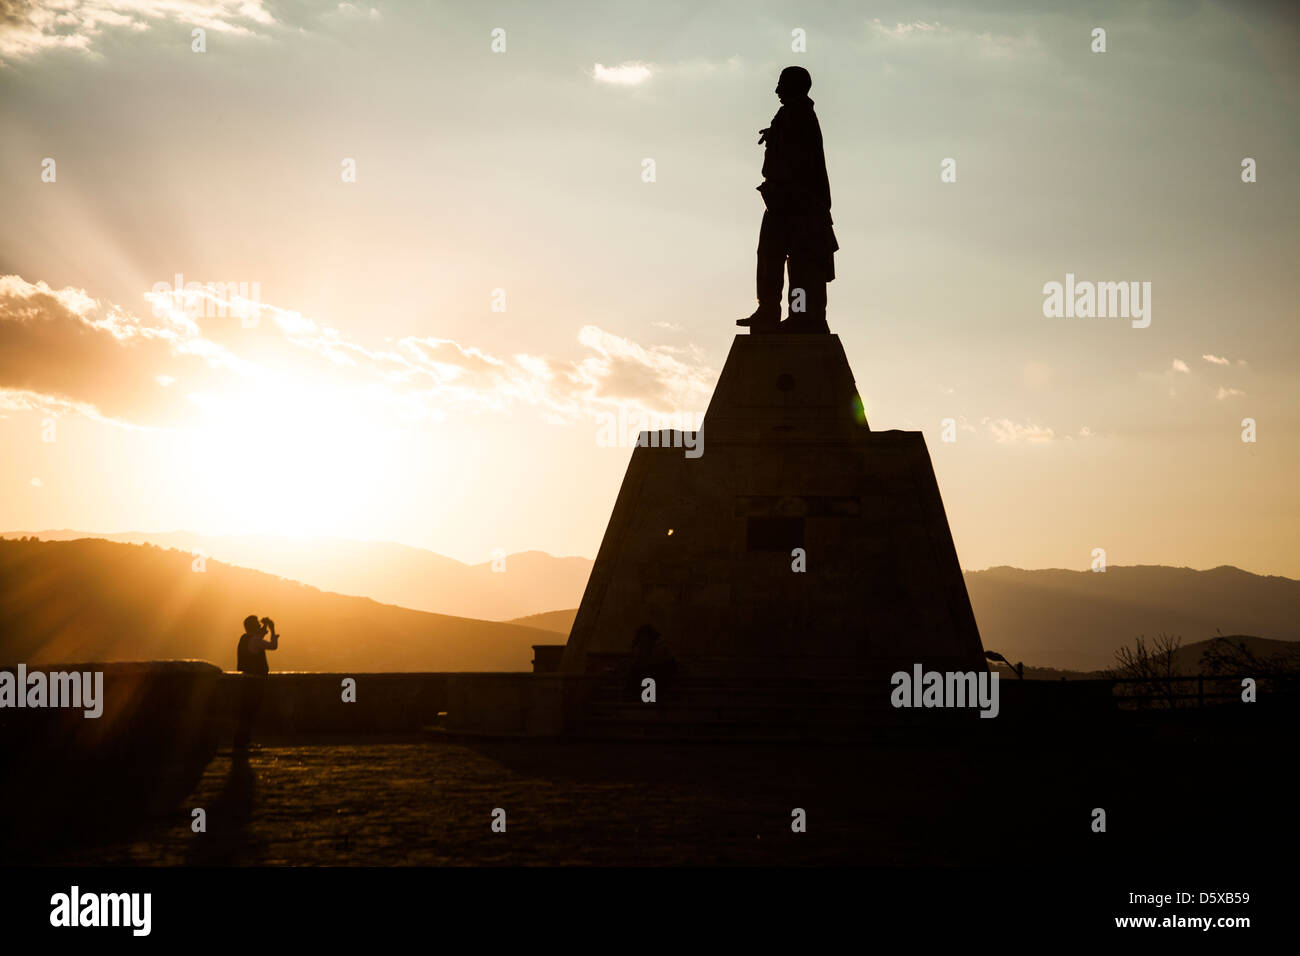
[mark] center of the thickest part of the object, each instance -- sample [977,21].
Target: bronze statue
[797,223]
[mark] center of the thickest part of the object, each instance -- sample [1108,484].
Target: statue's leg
[817,303]
[769,275]
[807,294]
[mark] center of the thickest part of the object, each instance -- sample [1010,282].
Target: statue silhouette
[797,223]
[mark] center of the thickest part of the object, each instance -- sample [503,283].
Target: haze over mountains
[1076,619]
[386,572]
[95,600]
[1072,620]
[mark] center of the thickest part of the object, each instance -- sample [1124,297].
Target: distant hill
[1073,620]
[387,572]
[561,622]
[1076,619]
[1187,659]
[95,600]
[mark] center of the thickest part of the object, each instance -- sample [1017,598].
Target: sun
[285,459]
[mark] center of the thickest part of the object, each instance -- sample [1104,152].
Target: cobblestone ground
[429,802]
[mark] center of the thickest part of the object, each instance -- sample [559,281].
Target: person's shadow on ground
[227,841]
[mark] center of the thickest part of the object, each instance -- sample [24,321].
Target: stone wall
[68,776]
[533,705]
[312,703]
[164,707]
[148,707]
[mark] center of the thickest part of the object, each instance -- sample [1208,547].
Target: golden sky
[440,342]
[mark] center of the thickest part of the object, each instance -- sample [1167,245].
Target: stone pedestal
[706,550]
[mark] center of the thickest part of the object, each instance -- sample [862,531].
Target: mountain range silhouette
[90,598]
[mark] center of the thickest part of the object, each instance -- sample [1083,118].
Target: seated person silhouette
[797,223]
[250,660]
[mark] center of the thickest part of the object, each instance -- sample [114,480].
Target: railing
[1164,690]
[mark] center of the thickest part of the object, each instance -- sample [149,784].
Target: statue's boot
[764,319]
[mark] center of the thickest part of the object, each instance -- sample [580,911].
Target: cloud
[900,30]
[630,73]
[62,350]
[93,357]
[1001,46]
[1228,393]
[638,72]
[29,27]
[1005,431]
[652,378]
[987,43]
[351,11]
[1180,366]
[1216,360]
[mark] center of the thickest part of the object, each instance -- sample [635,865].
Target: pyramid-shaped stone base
[704,550]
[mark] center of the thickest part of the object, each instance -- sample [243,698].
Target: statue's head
[793,83]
